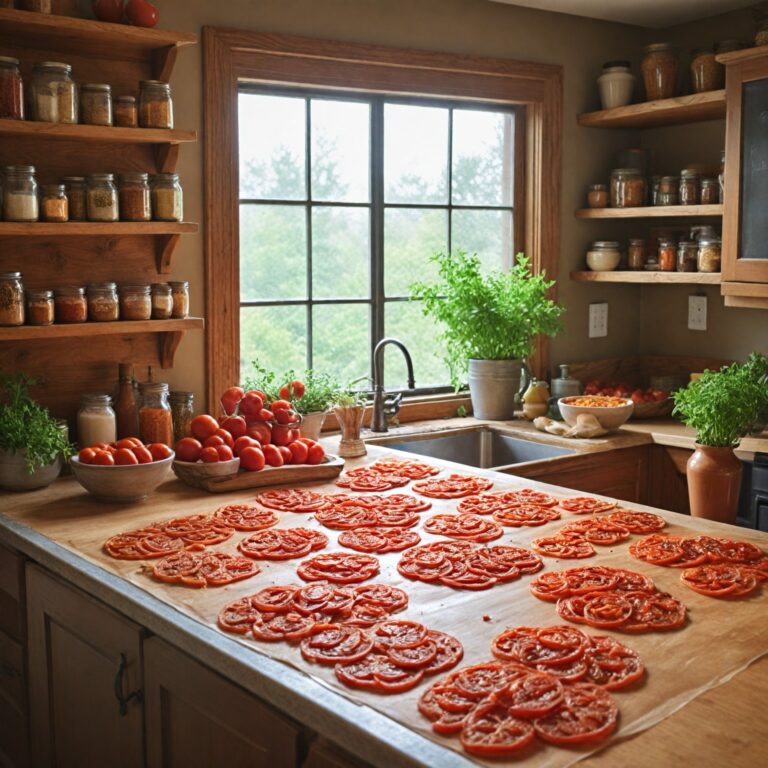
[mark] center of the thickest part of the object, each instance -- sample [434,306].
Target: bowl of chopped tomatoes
[610,411]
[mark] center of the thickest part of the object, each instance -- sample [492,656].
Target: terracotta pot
[714,481]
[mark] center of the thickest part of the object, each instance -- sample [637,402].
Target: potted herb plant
[350,411]
[32,442]
[720,406]
[490,323]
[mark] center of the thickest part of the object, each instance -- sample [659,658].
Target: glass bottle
[101,199]
[96,421]
[155,420]
[55,206]
[182,413]
[40,307]
[11,89]
[167,198]
[11,299]
[126,113]
[669,191]
[659,67]
[76,197]
[54,93]
[96,104]
[20,194]
[125,405]
[134,197]
[155,104]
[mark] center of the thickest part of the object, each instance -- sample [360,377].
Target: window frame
[234,57]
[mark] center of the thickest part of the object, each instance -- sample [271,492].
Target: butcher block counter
[701,702]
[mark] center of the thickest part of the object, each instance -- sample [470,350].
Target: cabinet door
[197,719]
[84,662]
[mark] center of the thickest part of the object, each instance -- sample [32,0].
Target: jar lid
[709,240]
[126,99]
[153,387]
[709,181]
[141,178]
[598,187]
[637,241]
[666,241]
[39,293]
[611,244]
[657,48]
[70,290]
[101,287]
[626,172]
[9,60]
[10,275]
[95,398]
[161,288]
[687,173]
[179,283]
[15,169]
[73,179]
[669,179]
[57,189]
[616,64]
[105,87]
[686,244]
[177,395]
[135,288]
[165,177]
[54,65]
[155,84]
[100,177]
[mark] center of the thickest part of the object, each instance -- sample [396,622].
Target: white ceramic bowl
[610,417]
[184,469]
[121,483]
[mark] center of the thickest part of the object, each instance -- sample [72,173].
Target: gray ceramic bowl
[131,482]
[610,417]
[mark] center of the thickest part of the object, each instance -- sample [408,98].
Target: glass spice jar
[40,307]
[155,420]
[135,302]
[162,301]
[182,413]
[710,191]
[103,305]
[597,196]
[659,68]
[96,420]
[101,200]
[689,189]
[11,299]
[126,113]
[687,251]
[167,198]
[11,89]
[180,294]
[706,73]
[76,197]
[761,36]
[70,304]
[669,191]
[55,206]
[708,256]
[54,93]
[637,254]
[155,104]
[627,188]
[96,104]
[667,255]
[135,204]
[20,194]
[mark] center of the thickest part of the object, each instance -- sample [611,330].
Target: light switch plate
[598,320]
[697,313]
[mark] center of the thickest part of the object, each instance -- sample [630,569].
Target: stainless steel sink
[482,448]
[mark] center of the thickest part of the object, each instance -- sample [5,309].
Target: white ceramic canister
[616,84]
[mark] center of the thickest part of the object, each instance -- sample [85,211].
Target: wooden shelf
[649,278]
[93,228]
[650,212]
[694,108]
[30,129]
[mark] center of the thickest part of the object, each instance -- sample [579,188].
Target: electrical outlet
[598,320]
[697,313]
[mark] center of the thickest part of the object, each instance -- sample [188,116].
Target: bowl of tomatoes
[125,471]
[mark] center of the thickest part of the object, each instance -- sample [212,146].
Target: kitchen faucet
[379,418]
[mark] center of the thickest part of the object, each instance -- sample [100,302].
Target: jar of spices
[96,104]
[76,197]
[708,257]
[659,68]
[721,175]
[55,206]
[667,255]
[597,196]
[182,414]
[96,421]
[687,251]
[54,93]
[103,306]
[761,36]
[40,307]
[637,254]
[155,104]
[669,191]
[20,194]
[689,188]
[616,84]
[167,198]
[71,306]
[180,294]
[135,204]
[710,191]
[706,73]
[135,302]
[101,201]
[11,89]
[162,301]
[126,113]
[627,188]
[155,420]
[11,299]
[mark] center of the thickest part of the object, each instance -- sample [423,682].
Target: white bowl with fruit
[610,411]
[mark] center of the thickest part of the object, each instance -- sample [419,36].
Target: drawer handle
[122,699]
[9,671]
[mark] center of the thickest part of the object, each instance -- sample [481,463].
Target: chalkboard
[753,226]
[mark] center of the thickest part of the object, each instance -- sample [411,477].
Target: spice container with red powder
[180,294]
[54,205]
[135,302]
[103,305]
[76,197]
[11,89]
[11,299]
[134,197]
[40,307]
[70,304]
[155,104]
[162,301]
[126,113]
[155,420]
[667,255]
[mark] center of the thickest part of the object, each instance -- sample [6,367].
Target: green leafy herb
[26,426]
[321,390]
[721,405]
[488,317]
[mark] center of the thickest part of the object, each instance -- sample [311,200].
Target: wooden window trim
[233,56]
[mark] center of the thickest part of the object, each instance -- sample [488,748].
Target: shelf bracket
[163,60]
[166,157]
[165,245]
[167,344]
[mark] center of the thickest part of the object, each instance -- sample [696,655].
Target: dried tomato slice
[341,568]
[638,522]
[379,539]
[481,504]
[335,643]
[720,580]
[657,549]
[277,598]
[246,517]
[398,634]
[596,530]
[526,496]
[525,515]
[196,569]
[376,672]
[396,518]
[531,695]
[347,518]
[582,505]
[480,680]
[313,599]
[365,479]
[414,470]
[289,625]
[239,616]
[418,657]
[388,597]
[550,586]
[465,526]
[159,544]
[449,652]
[292,500]
[282,544]
[611,664]
[564,545]
[453,486]
[658,611]
[607,609]
[491,731]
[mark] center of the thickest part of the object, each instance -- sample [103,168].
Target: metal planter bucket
[493,385]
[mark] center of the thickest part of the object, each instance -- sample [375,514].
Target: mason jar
[70,304]
[155,420]
[11,89]
[11,299]
[135,204]
[102,202]
[96,420]
[126,113]
[690,187]
[55,206]
[40,307]
[659,68]
[627,188]
[162,301]
[708,256]
[76,197]
[20,194]
[103,305]
[54,93]
[155,104]
[135,302]
[167,198]
[180,295]
[96,104]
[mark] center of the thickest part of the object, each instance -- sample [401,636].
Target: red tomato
[245,442]
[265,415]
[125,456]
[292,391]
[638,396]
[108,10]
[285,453]
[159,451]
[593,387]
[86,456]
[128,442]
[272,456]
[308,441]
[103,447]
[235,425]
[225,452]
[230,400]
[188,449]
[142,453]
[103,458]
[283,416]
[315,454]
[209,455]
[299,452]
[204,426]
[214,441]
[252,459]
[251,403]
[141,14]
[225,436]
[261,432]
[280,405]
[659,394]
[284,435]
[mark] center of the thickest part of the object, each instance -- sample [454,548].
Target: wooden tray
[292,473]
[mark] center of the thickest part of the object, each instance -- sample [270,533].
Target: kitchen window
[343,199]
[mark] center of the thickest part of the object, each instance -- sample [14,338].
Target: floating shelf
[650,212]
[695,108]
[648,278]
[86,228]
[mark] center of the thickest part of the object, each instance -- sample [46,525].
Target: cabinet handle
[122,699]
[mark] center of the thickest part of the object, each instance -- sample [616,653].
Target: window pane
[411,236]
[483,157]
[272,147]
[487,233]
[340,163]
[415,154]
[273,248]
[341,253]
[275,336]
[404,321]
[341,340]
